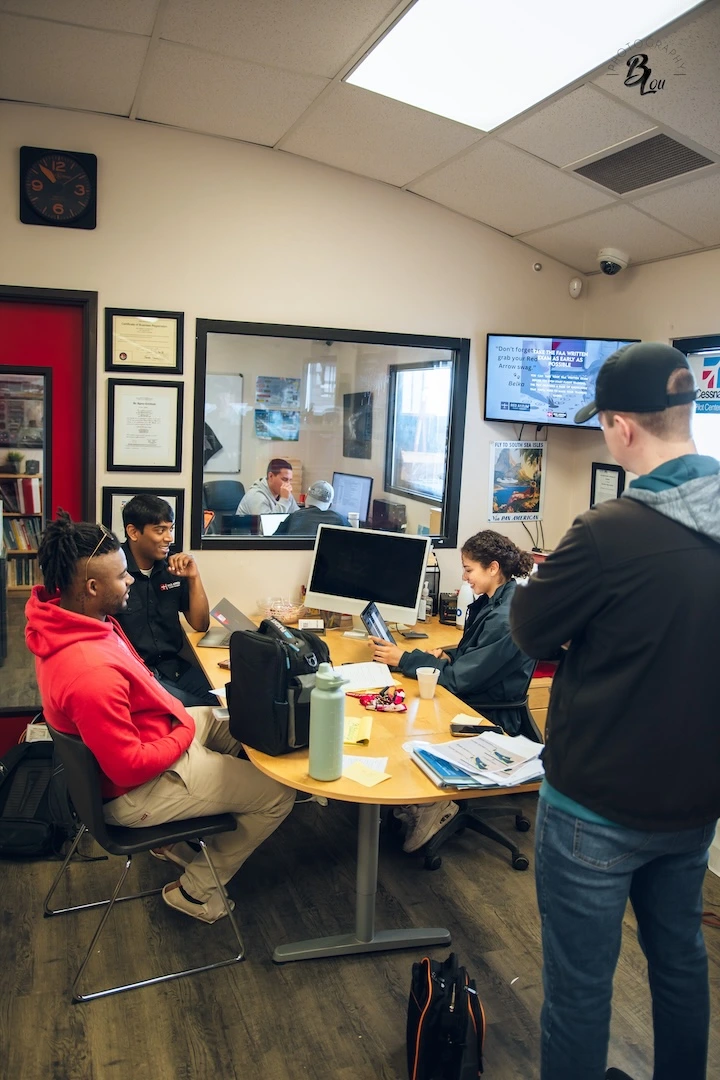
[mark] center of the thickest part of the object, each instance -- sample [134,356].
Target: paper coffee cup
[427,678]
[354,520]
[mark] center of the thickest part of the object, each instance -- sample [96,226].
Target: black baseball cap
[634,380]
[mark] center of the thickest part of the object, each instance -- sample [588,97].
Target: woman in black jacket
[485,666]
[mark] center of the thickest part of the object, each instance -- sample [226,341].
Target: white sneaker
[426,821]
[209,912]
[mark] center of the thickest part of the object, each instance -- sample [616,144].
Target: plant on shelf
[12,461]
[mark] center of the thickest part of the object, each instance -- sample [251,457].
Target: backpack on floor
[36,814]
[445,1023]
[272,671]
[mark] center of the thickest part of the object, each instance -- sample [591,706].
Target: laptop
[270,522]
[231,619]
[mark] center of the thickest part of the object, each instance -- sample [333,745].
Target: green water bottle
[327,724]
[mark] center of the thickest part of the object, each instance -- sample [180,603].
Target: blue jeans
[584,875]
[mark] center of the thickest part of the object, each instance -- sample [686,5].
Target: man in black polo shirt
[163,588]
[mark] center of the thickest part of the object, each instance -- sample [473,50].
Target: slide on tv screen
[543,380]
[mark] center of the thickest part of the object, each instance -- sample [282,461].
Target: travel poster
[516,481]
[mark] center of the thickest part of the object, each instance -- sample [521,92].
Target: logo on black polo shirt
[169,585]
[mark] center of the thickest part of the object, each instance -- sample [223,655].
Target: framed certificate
[608,482]
[143,341]
[144,426]
[114,499]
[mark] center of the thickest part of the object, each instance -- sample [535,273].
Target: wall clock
[58,188]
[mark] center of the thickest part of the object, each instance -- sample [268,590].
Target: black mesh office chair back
[223,497]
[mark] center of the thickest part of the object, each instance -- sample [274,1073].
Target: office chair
[222,496]
[472,816]
[82,774]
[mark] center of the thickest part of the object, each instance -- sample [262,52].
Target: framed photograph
[608,482]
[114,498]
[357,424]
[143,341]
[144,426]
[222,436]
[516,481]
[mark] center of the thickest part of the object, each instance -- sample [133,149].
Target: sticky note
[357,729]
[365,776]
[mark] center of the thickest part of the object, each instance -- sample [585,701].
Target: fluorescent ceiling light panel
[481,62]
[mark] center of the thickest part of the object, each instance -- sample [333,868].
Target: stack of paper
[488,760]
[366,676]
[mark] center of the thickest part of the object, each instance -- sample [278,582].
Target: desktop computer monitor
[352,494]
[353,566]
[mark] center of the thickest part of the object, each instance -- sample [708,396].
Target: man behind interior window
[307,520]
[272,495]
[631,791]
[164,586]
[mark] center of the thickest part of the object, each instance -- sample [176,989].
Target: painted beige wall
[223,230]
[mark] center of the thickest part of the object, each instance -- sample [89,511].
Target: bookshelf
[21,500]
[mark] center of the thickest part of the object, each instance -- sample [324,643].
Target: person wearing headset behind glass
[485,666]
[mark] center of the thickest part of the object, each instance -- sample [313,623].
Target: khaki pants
[209,779]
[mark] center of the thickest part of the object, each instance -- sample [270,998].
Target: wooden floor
[340,1019]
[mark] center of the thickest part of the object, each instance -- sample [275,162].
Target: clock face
[58,188]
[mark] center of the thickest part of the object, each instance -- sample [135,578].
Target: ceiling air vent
[649,162]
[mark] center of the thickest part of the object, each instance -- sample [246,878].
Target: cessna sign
[706,369]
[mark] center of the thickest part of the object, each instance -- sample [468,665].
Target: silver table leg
[364,939]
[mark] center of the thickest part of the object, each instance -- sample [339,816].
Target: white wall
[223,230]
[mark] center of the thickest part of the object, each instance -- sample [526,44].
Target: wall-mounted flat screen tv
[543,380]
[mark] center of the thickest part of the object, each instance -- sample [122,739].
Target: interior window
[380,417]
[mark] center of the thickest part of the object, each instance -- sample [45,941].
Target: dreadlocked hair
[488,546]
[64,543]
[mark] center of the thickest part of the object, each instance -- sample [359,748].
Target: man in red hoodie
[160,761]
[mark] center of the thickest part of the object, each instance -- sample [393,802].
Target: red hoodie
[93,684]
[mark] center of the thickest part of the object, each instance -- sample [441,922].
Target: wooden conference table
[426,719]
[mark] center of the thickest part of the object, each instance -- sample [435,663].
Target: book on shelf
[22,495]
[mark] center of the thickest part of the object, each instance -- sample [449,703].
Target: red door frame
[88,302]
[13,721]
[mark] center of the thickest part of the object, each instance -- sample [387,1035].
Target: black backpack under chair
[272,671]
[445,1022]
[36,815]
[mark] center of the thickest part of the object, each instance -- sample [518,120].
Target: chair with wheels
[82,774]
[471,815]
[223,497]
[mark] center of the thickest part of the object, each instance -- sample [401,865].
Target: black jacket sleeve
[468,674]
[562,597]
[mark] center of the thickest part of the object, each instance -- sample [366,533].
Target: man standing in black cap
[631,793]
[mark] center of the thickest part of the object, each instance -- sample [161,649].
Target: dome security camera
[612,260]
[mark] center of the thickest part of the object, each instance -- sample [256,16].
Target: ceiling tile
[509,190]
[314,36]
[692,207]
[132,16]
[220,96]
[375,136]
[690,99]
[69,67]
[576,126]
[578,242]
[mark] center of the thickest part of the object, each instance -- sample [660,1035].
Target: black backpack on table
[272,671]
[445,1022]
